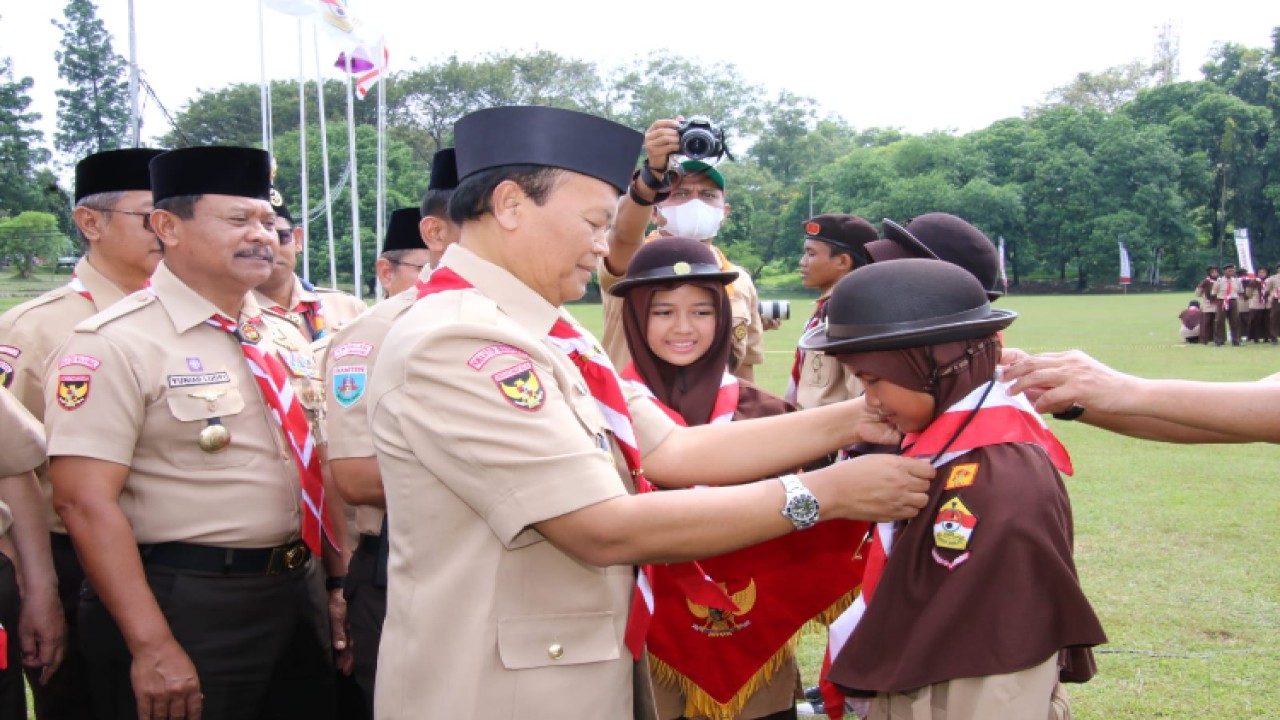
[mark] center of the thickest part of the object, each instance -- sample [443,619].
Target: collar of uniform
[515,298]
[301,294]
[105,293]
[187,308]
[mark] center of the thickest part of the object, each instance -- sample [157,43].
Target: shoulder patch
[740,331]
[485,354]
[962,476]
[521,386]
[127,306]
[88,361]
[73,391]
[6,374]
[954,524]
[10,350]
[349,383]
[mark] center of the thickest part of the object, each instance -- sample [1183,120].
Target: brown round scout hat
[932,302]
[671,260]
[846,232]
[942,236]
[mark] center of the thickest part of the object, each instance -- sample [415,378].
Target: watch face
[803,509]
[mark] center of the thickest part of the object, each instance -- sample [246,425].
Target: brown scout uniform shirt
[748,328]
[22,447]
[499,622]
[824,379]
[135,385]
[32,331]
[347,366]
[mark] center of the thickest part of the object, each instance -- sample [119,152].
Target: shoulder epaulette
[127,306]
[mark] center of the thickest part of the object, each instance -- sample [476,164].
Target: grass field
[1174,544]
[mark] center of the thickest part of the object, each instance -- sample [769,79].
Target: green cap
[697,167]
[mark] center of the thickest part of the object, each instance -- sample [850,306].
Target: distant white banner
[1243,253]
[1126,273]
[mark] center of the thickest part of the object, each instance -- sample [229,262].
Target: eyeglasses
[285,235]
[415,266]
[146,216]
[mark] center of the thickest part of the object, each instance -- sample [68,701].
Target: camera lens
[697,144]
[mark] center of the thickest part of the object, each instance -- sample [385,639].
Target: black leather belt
[369,544]
[227,561]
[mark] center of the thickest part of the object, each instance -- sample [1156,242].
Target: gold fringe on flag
[698,704]
[828,616]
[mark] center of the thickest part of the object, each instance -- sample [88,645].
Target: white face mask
[695,220]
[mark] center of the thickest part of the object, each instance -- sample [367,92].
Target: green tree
[93,111]
[1106,90]
[29,238]
[20,140]
[665,85]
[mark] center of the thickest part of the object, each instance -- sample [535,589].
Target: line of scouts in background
[1244,308]
[691,203]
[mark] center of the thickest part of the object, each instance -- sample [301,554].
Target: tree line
[1171,169]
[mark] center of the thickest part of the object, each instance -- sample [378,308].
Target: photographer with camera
[689,198]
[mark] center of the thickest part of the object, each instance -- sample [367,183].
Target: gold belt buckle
[295,556]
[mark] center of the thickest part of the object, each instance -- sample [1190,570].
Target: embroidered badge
[721,623]
[351,349]
[250,333]
[213,378]
[962,476]
[10,350]
[349,382]
[88,361]
[300,364]
[740,332]
[73,390]
[194,365]
[954,525]
[6,374]
[485,354]
[521,387]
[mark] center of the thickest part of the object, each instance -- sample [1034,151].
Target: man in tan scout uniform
[833,246]
[690,202]
[31,622]
[178,446]
[505,439]
[349,359]
[113,201]
[315,311]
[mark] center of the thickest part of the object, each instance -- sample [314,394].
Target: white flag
[1243,253]
[1126,274]
[1004,279]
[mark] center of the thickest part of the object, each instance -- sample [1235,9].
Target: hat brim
[908,335]
[665,277]
[909,246]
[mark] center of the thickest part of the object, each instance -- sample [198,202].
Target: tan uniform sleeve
[27,368]
[755,328]
[95,406]
[513,439]
[21,437]
[613,338]
[346,384]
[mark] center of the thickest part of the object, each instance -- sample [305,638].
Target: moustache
[258,253]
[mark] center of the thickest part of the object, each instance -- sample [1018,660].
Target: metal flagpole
[304,218]
[382,163]
[355,195]
[263,95]
[324,159]
[135,113]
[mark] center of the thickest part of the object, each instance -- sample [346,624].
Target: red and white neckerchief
[602,382]
[722,410]
[78,285]
[988,415]
[286,409]
[1230,295]
[793,385]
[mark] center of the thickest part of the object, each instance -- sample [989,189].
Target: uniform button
[556,651]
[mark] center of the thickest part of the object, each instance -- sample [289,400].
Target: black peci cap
[535,135]
[114,171]
[932,302]
[444,170]
[216,170]
[402,231]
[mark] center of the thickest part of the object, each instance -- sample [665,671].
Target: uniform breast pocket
[545,640]
[206,418]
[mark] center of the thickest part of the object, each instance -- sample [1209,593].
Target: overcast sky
[918,65]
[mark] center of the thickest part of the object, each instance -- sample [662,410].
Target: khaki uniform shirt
[503,623]
[1256,292]
[136,385]
[1220,292]
[347,365]
[21,446]
[744,303]
[32,331]
[338,308]
[824,379]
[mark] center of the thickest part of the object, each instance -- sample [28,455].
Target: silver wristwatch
[801,507]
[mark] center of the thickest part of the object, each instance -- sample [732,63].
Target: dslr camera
[775,310]
[701,139]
